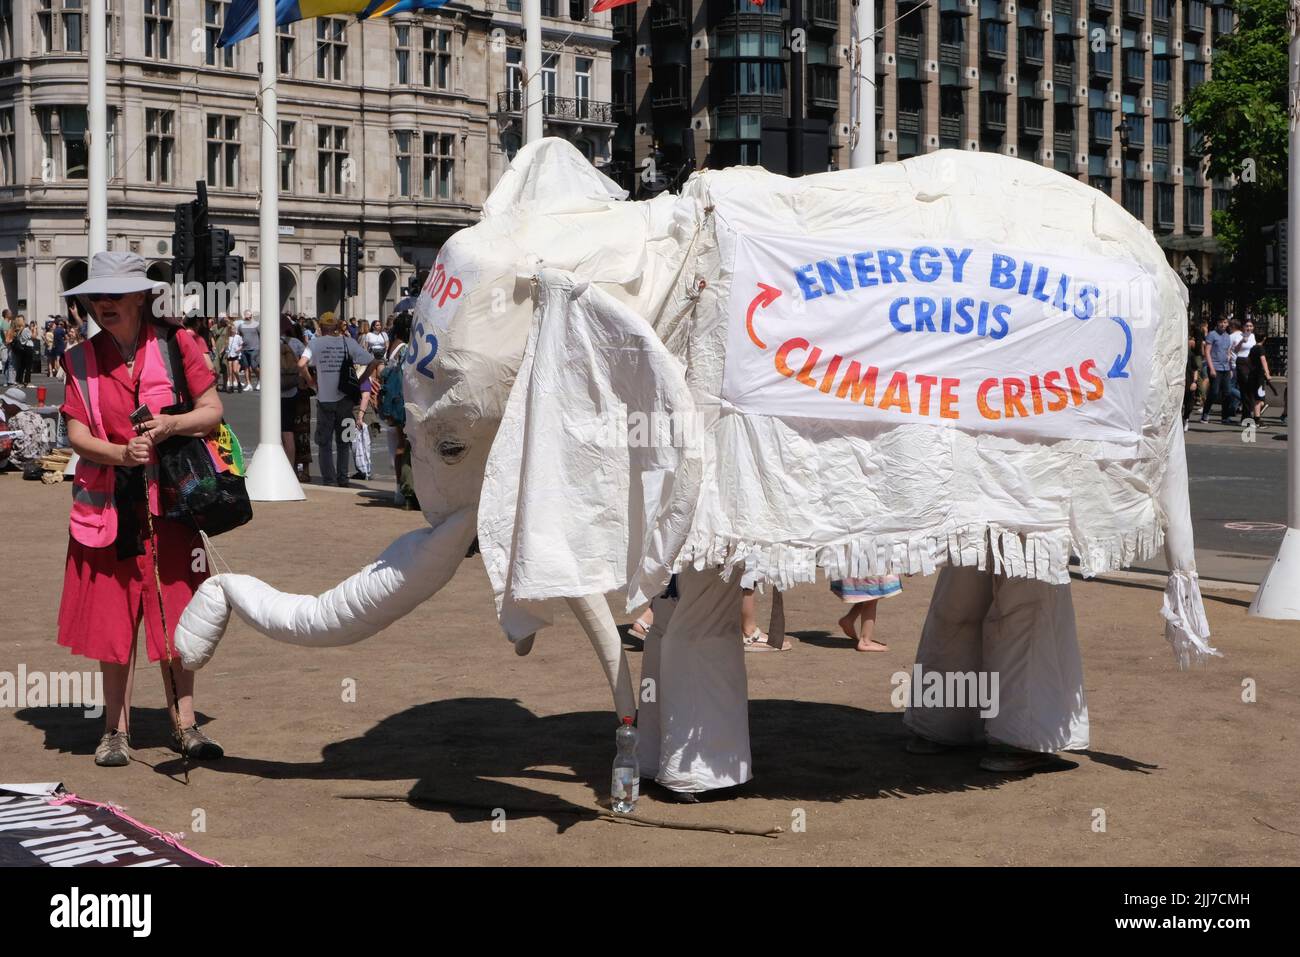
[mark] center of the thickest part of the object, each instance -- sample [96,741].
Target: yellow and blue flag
[242,20]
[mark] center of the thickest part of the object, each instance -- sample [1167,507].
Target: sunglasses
[99,296]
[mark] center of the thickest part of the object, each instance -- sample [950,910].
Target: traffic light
[353,263]
[229,269]
[220,244]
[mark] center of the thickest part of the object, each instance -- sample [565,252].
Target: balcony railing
[1063,141]
[950,127]
[824,13]
[668,15]
[560,108]
[1063,74]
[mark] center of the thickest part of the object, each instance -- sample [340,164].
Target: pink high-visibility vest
[93,521]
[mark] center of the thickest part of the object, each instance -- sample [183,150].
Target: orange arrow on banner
[766,296]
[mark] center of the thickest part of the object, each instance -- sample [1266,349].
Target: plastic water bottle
[626,787]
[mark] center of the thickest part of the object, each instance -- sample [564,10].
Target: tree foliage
[1242,114]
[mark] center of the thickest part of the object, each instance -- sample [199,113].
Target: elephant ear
[593,478]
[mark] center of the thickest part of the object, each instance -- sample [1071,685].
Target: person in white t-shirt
[375,342]
[234,348]
[1242,342]
[335,412]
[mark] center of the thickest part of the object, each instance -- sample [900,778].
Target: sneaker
[1204,419]
[114,750]
[193,743]
[258,387]
[358,474]
[1187,424]
[247,388]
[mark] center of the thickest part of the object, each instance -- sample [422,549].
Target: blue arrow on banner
[1118,368]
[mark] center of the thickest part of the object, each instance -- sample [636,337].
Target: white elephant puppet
[860,372]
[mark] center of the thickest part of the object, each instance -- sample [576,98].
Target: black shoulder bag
[349,386]
[192,489]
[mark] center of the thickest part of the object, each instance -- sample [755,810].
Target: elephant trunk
[411,570]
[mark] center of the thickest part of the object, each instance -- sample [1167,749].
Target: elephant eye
[451,450]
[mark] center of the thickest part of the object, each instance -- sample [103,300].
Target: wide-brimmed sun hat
[16,396]
[116,273]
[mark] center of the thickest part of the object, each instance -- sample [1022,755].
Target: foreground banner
[982,337]
[44,825]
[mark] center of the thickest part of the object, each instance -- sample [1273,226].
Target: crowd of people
[314,353]
[26,349]
[1228,365]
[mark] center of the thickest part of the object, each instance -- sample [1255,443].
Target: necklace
[128,357]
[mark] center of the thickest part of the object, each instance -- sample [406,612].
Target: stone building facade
[393,130]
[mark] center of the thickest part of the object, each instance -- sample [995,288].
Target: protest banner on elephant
[973,335]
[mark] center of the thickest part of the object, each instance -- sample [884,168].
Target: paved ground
[448,724]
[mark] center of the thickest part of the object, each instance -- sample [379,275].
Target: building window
[1133,197]
[159,145]
[288,156]
[582,85]
[1194,207]
[287,43]
[404,183]
[439,165]
[60,25]
[159,22]
[550,64]
[331,159]
[437,59]
[8,171]
[214,17]
[72,22]
[331,48]
[6,29]
[402,40]
[514,69]
[63,143]
[550,8]
[223,151]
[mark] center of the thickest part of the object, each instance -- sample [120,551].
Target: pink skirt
[104,599]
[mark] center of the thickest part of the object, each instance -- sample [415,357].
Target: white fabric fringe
[1044,555]
[1186,628]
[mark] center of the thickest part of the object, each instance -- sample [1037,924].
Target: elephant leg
[1031,644]
[951,641]
[647,718]
[594,616]
[703,693]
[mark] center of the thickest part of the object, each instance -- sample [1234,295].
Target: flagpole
[97,127]
[534,89]
[271,477]
[862,143]
[1279,593]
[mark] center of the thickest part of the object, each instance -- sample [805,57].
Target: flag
[600,6]
[242,21]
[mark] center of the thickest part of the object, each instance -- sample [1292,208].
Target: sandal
[757,641]
[639,628]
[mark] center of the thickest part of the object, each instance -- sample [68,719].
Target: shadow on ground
[462,751]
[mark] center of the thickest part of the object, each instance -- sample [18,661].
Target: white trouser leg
[951,642]
[703,692]
[647,712]
[1031,643]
